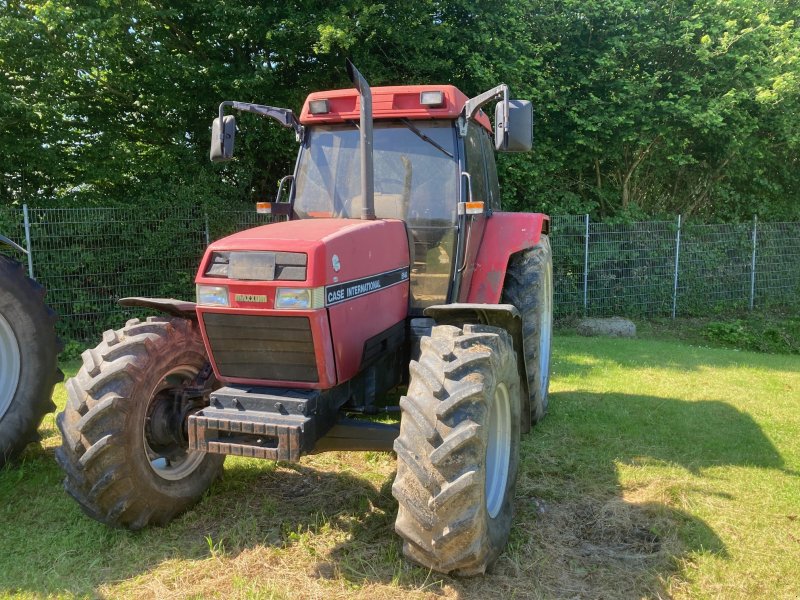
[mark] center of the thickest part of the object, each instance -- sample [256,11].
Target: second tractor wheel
[458,449]
[29,350]
[529,287]
[124,447]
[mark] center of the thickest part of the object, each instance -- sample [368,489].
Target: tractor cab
[433,167]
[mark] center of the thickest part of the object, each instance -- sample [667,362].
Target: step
[270,423]
[268,435]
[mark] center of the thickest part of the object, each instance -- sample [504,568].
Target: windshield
[410,172]
[416,180]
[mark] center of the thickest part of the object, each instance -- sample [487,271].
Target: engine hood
[337,250]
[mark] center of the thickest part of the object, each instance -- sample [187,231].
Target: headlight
[212,295]
[299,298]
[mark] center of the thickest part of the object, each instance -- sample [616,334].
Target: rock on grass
[610,327]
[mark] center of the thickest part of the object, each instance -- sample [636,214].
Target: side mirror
[222,134]
[519,137]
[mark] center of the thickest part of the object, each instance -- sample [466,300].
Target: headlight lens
[299,298]
[212,295]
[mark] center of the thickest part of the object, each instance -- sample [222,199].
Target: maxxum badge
[250,298]
[334,294]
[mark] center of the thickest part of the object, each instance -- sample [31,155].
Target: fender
[168,306]
[505,234]
[14,245]
[504,316]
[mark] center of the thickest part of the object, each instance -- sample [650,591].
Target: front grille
[256,347]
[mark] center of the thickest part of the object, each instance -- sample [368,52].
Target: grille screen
[255,347]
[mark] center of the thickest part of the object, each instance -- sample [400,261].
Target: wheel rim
[498,450]
[10,365]
[546,329]
[171,462]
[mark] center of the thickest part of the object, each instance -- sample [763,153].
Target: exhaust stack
[365,129]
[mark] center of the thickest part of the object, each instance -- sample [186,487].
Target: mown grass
[662,470]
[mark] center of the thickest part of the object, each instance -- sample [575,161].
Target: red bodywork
[363,248]
[505,234]
[393,102]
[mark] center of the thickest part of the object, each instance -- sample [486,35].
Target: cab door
[472,226]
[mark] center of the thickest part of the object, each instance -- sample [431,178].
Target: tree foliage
[642,107]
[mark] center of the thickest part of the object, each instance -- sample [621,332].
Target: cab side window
[475,162]
[491,173]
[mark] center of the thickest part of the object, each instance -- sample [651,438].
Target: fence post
[677,262]
[28,239]
[753,264]
[586,270]
[208,235]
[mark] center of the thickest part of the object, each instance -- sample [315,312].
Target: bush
[774,335]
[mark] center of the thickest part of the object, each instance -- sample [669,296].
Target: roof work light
[318,107]
[434,99]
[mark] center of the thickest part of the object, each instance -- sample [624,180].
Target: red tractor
[394,267]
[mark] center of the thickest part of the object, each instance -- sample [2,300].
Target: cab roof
[391,102]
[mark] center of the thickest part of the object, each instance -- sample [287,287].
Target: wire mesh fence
[88,258]
[715,268]
[225,222]
[568,240]
[777,264]
[631,268]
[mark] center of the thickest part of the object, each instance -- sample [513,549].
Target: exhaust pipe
[365,129]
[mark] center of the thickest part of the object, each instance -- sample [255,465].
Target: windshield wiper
[424,137]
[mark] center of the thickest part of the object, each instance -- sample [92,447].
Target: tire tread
[440,479]
[39,348]
[99,471]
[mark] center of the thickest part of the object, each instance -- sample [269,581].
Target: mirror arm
[284,116]
[14,245]
[473,105]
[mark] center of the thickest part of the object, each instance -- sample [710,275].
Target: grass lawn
[662,470]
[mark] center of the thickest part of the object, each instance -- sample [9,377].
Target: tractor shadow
[577,532]
[580,534]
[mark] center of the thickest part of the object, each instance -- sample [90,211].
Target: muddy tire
[29,351]
[458,450]
[529,287]
[118,464]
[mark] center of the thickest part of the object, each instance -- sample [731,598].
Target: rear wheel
[458,450]
[124,448]
[529,287]
[29,351]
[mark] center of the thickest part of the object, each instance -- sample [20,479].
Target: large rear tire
[29,350]
[122,448]
[458,450]
[529,287]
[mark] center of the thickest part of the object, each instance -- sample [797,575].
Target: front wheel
[458,449]
[124,448]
